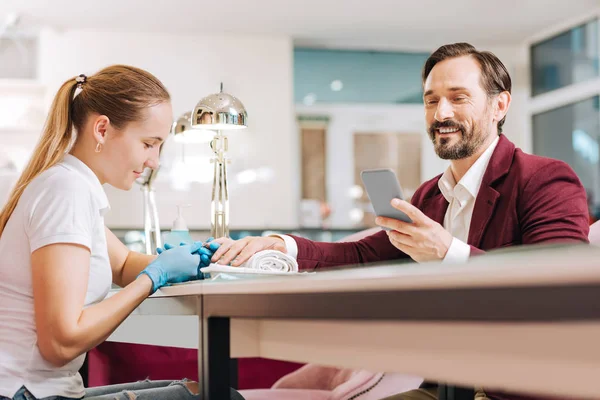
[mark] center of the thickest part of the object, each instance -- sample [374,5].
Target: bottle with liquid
[179,233]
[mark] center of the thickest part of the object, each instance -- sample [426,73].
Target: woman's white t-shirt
[65,204]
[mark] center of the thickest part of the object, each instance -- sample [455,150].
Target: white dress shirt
[461,198]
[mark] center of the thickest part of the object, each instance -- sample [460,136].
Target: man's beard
[468,143]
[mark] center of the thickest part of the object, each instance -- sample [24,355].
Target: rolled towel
[272,260]
[263,262]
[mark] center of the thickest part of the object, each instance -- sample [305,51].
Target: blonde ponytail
[51,147]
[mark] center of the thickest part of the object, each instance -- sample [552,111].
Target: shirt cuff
[290,245]
[458,252]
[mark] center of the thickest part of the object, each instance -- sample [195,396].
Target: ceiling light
[310,99]
[336,85]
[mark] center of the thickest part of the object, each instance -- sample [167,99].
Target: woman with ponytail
[58,260]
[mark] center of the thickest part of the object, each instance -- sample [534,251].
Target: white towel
[272,260]
[264,262]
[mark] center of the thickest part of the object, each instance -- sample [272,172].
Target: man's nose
[444,111]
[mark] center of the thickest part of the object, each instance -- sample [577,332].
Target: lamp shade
[183,132]
[219,111]
[182,124]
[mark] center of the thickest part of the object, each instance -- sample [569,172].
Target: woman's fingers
[204,260]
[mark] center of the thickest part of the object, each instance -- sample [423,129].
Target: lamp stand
[151,224]
[219,207]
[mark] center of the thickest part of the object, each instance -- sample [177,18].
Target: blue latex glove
[174,265]
[204,253]
[213,247]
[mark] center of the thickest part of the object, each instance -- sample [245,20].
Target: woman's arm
[125,264]
[64,328]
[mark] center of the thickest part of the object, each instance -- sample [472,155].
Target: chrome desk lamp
[151,224]
[219,112]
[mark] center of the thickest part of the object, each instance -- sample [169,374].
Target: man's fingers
[413,252]
[413,212]
[223,247]
[403,247]
[396,225]
[232,252]
[252,248]
[218,242]
[402,238]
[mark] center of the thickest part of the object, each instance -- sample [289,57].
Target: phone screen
[382,186]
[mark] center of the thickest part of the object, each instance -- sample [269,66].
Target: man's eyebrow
[452,89]
[458,89]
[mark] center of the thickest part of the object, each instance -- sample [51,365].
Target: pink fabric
[595,233]
[312,376]
[285,394]
[329,383]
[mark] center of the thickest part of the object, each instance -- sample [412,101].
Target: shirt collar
[447,184]
[75,164]
[471,181]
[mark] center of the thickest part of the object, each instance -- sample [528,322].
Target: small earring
[98,147]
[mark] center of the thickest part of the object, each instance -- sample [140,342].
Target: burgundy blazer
[523,199]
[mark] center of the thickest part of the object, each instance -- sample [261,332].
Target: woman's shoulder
[57,182]
[58,178]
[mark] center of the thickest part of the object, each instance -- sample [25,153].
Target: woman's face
[129,151]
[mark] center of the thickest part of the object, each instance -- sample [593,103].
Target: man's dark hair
[494,76]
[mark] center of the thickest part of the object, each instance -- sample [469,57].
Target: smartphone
[382,186]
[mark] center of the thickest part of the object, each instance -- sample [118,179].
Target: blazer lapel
[482,213]
[435,207]
[486,200]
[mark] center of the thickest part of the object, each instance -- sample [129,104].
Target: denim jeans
[143,390]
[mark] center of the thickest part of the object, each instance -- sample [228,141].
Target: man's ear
[501,107]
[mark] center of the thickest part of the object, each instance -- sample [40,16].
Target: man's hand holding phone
[408,228]
[423,239]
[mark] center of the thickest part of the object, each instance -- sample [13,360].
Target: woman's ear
[100,127]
